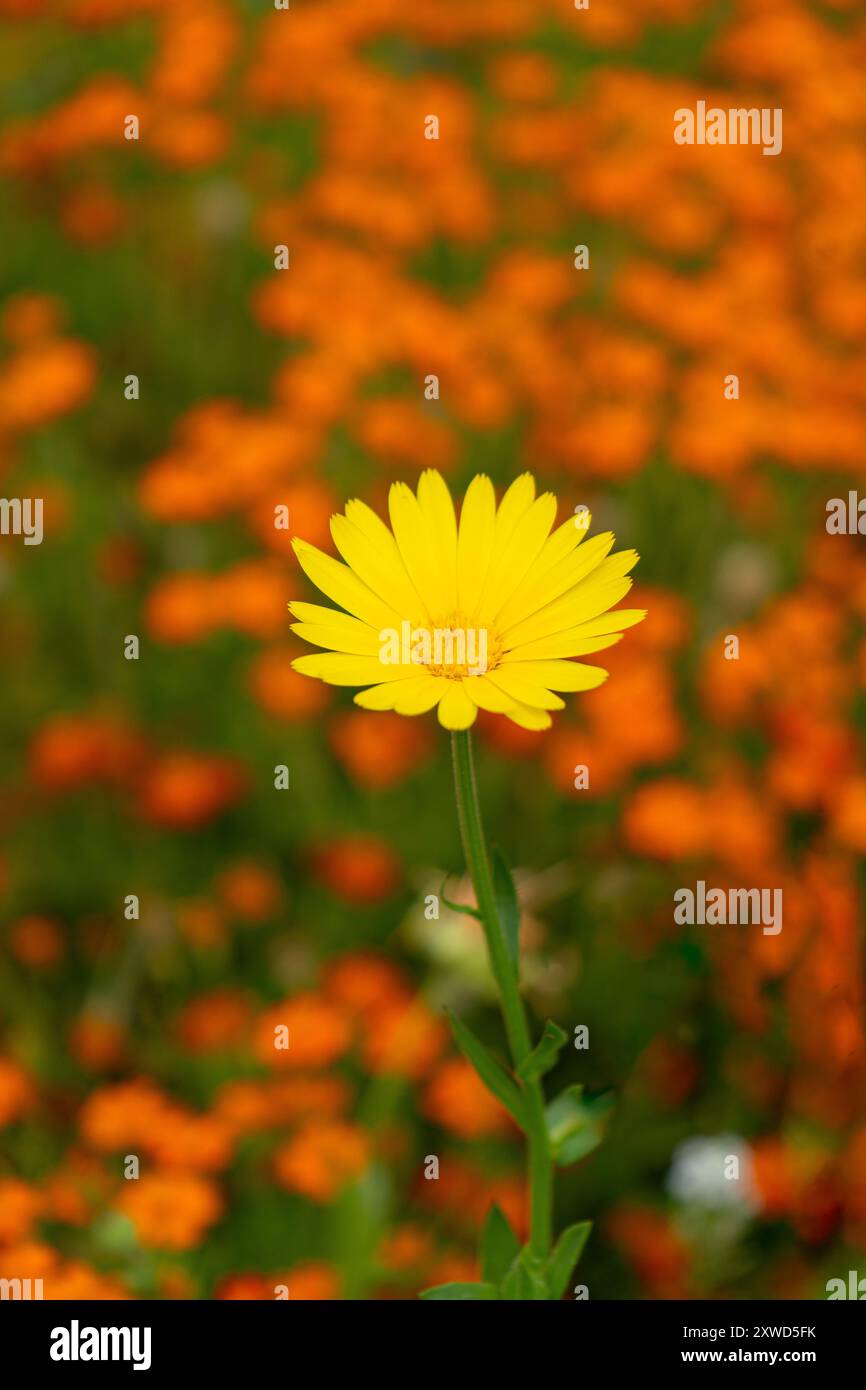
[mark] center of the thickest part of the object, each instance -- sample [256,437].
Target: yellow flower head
[484,613]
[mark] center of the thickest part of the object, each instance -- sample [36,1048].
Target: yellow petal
[415,695]
[542,589]
[524,690]
[528,718]
[436,505]
[339,669]
[358,641]
[486,695]
[565,539]
[516,501]
[420,695]
[560,646]
[514,559]
[379,567]
[379,697]
[475,541]
[414,543]
[456,710]
[344,587]
[600,590]
[591,636]
[557,675]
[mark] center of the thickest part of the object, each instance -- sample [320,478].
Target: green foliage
[568,1251]
[460,1293]
[492,1073]
[576,1126]
[499,1246]
[544,1055]
[507,905]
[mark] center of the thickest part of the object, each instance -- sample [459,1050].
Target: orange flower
[69,751]
[97,1041]
[170,1211]
[322,1158]
[181,608]
[214,1022]
[43,381]
[30,317]
[659,1254]
[316,1030]
[281,691]
[253,598]
[404,1040]
[128,1113]
[92,215]
[366,983]
[201,923]
[251,891]
[405,1248]
[20,1205]
[456,1099]
[357,868]
[185,790]
[379,750]
[244,1288]
[250,1106]
[667,820]
[16,1091]
[36,941]
[193,1142]
[311,1281]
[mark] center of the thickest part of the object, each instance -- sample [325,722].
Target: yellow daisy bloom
[484,613]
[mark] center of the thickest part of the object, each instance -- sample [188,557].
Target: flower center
[456,649]
[453,649]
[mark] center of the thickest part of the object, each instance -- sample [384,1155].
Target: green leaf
[544,1055]
[507,905]
[568,1251]
[494,1076]
[458,907]
[525,1279]
[576,1126]
[499,1246]
[460,1293]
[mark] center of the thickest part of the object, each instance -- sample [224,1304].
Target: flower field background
[164,906]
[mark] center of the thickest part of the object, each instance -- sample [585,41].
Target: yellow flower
[481,614]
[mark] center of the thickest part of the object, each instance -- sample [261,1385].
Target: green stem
[510,1002]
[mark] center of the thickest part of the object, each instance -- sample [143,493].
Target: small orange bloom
[282,692]
[185,790]
[322,1158]
[366,983]
[357,868]
[20,1205]
[30,317]
[404,1041]
[36,941]
[456,1099]
[16,1091]
[215,1021]
[379,750]
[97,1041]
[170,1211]
[251,891]
[305,1031]
[43,381]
